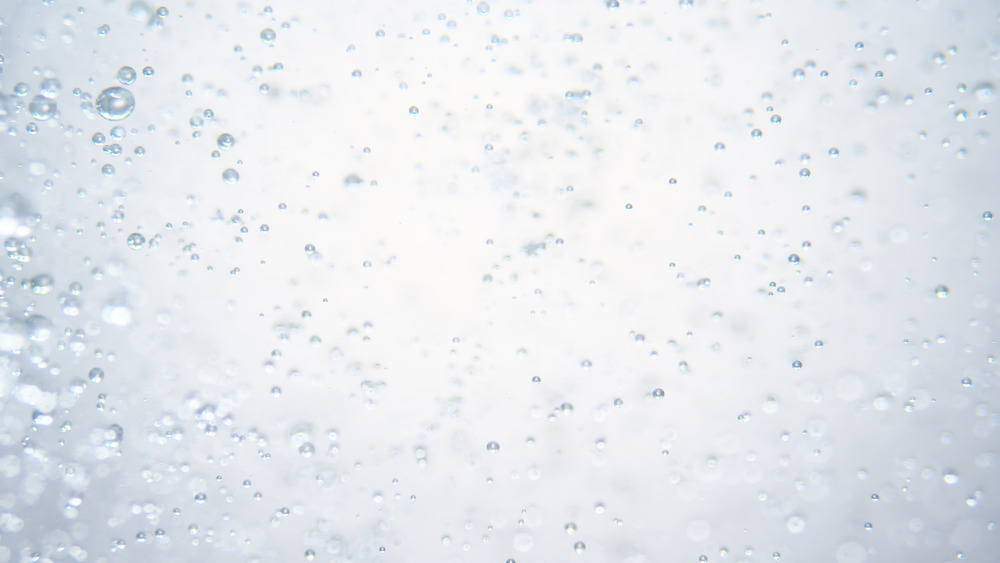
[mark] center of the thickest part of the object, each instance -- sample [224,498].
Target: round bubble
[115,103]
[42,108]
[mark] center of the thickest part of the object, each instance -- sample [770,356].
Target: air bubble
[126,75]
[225,141]
[115,103]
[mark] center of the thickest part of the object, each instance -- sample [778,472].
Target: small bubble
[793,259]
[941,291]
[96,375]
[126,75]
[950,477]
[225,141]
[230,176]
[493,447]
[483,8]
[42,284]
[267,35]
[987,215]
[796,365]
[135,241]
[579,547]
[42,108]
[414,110]
[756,133]
[570,528]
[658,393]
[804,173]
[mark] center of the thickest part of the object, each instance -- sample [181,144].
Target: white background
[577,196]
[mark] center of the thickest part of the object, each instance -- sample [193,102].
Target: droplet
[135,241]
[115,103]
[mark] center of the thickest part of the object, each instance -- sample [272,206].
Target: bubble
[756,133]
[307,450]
[126,75]
[230,176]
[704,283]
[493,447]
[793,259]
[39,328]
[796,525]
[414,110]
[804,173]
[267,35]
[579,547]
[162,12]
[658,393]
[225,141]
[796,365]
[951,477]
[135,241]
[42,108]
[50,88]
[96,375]
[483,8]
[115,103]
[941,291]
[148,71]
[987,215]
[42,284]
[22,89]
[570,528]
[984,92]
